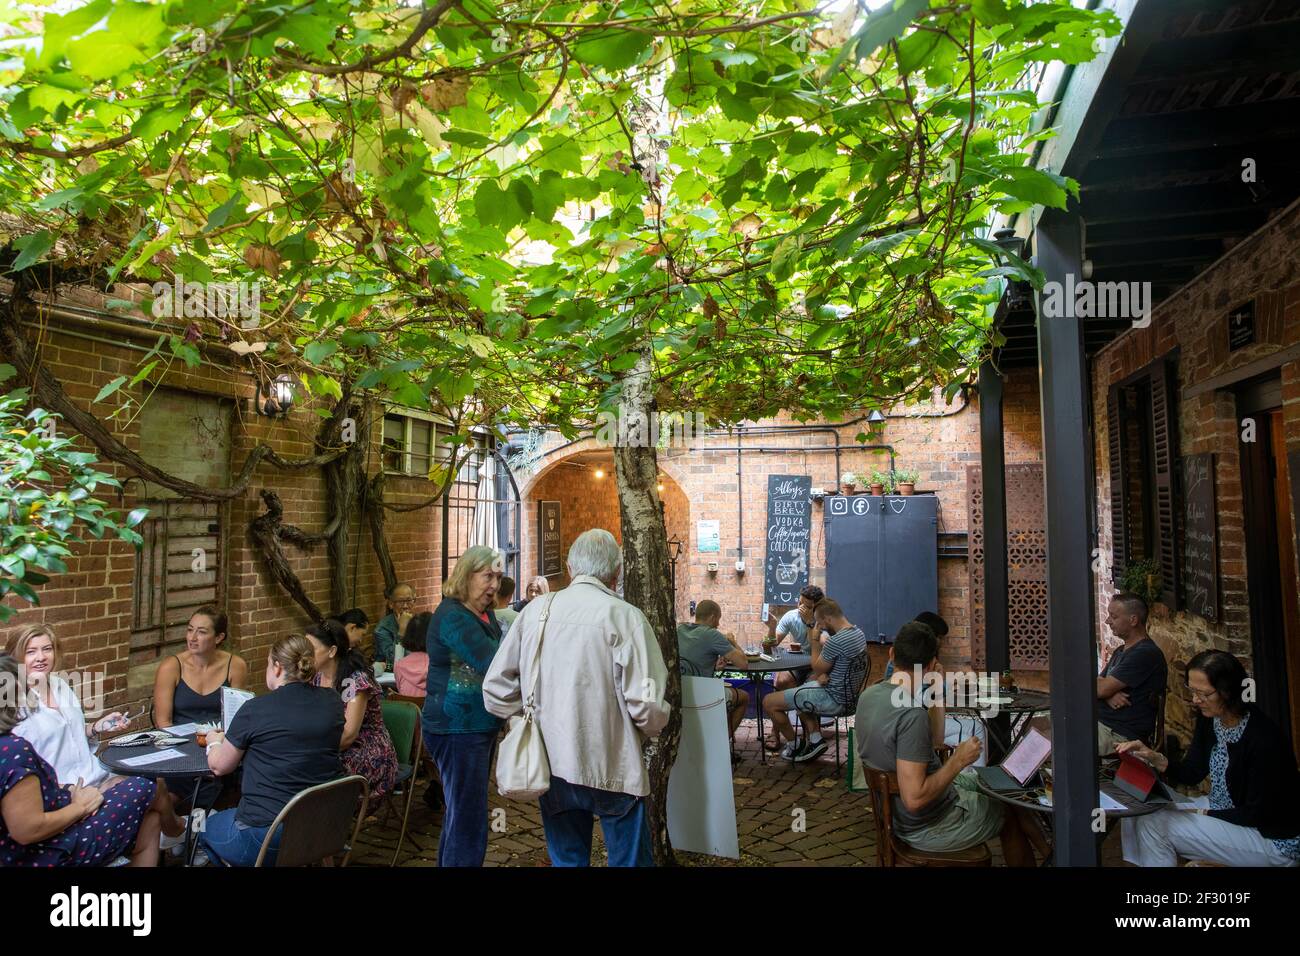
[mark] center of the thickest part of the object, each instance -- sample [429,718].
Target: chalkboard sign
[1200,541]
[548,538]
[789,525]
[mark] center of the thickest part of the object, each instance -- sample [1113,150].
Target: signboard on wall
[1200,539]
[1241,326]
[708,535]
[789,526]
[548,538]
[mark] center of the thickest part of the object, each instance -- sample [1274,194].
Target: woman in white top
[54,723]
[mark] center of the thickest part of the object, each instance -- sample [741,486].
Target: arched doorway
[583,482]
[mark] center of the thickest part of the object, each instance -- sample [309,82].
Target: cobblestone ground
[837,830]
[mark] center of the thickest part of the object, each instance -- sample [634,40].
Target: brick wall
[1194,321]
[91,606]
[702,484]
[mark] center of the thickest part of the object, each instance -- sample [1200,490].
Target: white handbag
[523,771]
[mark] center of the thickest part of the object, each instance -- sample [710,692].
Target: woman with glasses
[389,631]
[1252,814]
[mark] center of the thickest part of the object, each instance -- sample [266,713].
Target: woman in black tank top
[177,702]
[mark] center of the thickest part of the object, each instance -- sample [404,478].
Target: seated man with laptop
[940,808]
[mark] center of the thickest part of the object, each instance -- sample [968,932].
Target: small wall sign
[1241,326]
[708,535]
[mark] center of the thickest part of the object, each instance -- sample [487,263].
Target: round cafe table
[1024,705]
[192,762]
[1028,799]
[782,660]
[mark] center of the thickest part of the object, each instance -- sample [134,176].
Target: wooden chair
[317,824]
[402,720]
[891,851]
[1158,742]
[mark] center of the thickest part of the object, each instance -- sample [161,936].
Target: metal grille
[461,502]
[177,569]
[1026,565]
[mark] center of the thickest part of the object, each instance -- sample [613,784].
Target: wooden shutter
[1118,486]
[1164,441]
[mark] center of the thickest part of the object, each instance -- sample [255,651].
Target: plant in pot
[905,481]
[1143,579]
[880,482]
[848,481]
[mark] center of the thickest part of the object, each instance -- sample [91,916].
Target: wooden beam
[1200,129]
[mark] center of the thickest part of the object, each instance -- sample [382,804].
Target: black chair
[859,673]
[318,824]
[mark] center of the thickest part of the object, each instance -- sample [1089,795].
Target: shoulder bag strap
[537,654]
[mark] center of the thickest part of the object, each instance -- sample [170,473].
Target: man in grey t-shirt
[939,807]
[699,645]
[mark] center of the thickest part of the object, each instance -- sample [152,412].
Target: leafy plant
[849,478]
[1143,578]
[903,476]
[883,478]
[38,524]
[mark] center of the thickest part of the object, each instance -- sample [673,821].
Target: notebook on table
[1020,766]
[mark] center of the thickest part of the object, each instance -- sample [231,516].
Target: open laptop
[1019,767]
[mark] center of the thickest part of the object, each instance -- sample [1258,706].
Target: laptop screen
[1027,756]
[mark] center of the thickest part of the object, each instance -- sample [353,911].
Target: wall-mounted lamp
[877,417]
[1010,242]
[661,485]
[275,399]
[600,472]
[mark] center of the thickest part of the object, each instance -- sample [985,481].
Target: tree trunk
[646,578]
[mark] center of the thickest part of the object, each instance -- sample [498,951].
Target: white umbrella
[485,508]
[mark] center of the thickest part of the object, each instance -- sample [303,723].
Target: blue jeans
[463,761]
[233,843]
[568,813]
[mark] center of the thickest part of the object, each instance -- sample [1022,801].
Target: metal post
[997,637]
[1070,602]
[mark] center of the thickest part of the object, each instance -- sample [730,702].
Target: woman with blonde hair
[43,824]
[536,588]
[458,732]
[287,740]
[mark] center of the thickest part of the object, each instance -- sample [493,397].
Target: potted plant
[1143,578]
[879,482]
[905,481]
[848,481]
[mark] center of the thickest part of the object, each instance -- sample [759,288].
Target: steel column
[1070,602]
[997,633]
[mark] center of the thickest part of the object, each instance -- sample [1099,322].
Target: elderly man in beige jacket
[600,696]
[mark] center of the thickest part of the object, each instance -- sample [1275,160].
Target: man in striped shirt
[839,663]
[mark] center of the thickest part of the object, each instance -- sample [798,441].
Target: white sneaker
[166,843]
[200,858]
[788,751]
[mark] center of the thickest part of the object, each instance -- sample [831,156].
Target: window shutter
[1118,503]
[1164,439]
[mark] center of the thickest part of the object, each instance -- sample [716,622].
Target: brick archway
[588,500]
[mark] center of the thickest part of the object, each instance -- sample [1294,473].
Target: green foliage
[38,524]
[507,200]
[904,476]
[884,478]
[1143,578]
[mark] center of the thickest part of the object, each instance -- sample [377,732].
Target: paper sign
[145,759]
[701,796]
[231,701]
[708,534]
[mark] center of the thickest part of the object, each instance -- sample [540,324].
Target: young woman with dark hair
[366,747]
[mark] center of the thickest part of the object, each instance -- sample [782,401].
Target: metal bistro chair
[859,673]
[402,720]
[318,823]
[431,768]
[890,850]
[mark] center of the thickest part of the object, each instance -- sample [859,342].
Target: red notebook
[1135,777]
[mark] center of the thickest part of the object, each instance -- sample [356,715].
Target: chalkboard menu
[1200,541]
[548,538]
[789,524]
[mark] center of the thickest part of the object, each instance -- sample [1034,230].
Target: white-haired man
[600,696]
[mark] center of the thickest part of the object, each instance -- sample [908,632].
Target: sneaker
[201,858]
[791,750]
[166,843]
[812,751]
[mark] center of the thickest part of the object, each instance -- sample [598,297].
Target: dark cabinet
[882,559]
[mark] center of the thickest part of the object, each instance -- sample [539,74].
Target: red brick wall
[1194,321]
[90,607]
[703,485]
